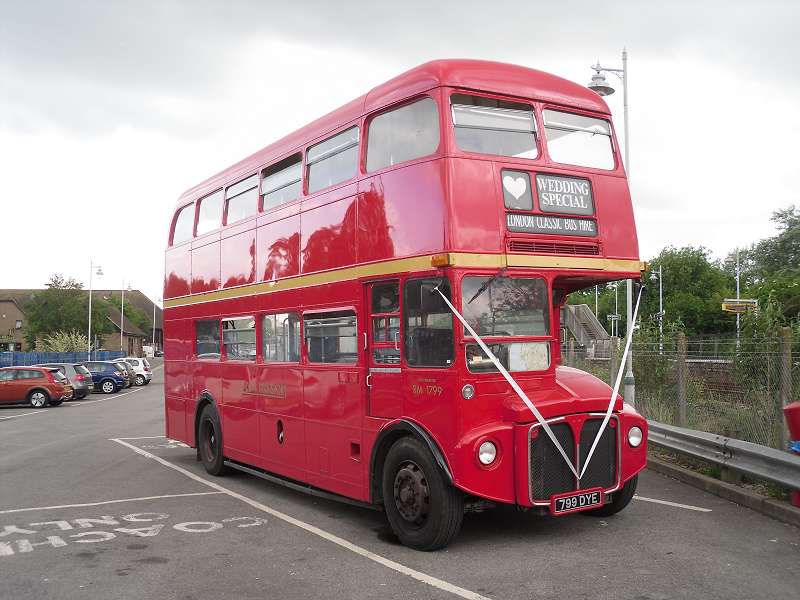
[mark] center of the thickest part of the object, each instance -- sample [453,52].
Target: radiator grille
[540,247]
[602,470]
[550,475]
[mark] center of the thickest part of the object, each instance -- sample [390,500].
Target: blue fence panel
[24,359]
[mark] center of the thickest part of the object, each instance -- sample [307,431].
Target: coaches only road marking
[381,560]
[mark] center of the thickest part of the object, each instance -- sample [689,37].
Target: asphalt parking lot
[95,503]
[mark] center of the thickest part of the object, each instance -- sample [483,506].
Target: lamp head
[599,84]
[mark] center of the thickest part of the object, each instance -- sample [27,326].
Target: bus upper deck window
[281,182]
[403,134]
[209,216]
[183,225]
[242,199]
[333,161]
[578,140]
[492,126]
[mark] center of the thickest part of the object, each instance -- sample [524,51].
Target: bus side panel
[617,225]
[177,379]
[334,409]
[177,271]
[240,406]
[402,212]
[475,215]
[278,249]
[282,432]
[205,268]
[238,259]
[328,235]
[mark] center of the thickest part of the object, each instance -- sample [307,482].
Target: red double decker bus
[311,291]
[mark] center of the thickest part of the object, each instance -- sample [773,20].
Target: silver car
[142,368]
[78,376]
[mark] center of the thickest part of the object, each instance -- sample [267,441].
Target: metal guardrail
[747,458]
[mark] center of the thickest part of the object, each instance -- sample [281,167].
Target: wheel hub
[411,493]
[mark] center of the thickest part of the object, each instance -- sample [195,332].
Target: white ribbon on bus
[523,396]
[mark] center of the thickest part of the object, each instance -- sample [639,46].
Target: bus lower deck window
[281,337]
[331,337]
[207,339]
[239,338]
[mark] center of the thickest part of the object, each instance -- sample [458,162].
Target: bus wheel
[620,500]
[423,509]
[209,440]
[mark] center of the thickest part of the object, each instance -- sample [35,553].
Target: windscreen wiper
[485,285]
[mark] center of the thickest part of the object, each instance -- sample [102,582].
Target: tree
[62,341]
[63,306]
[694,287]
[132,314]
[770,269]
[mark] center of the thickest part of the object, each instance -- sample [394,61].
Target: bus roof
[478,75]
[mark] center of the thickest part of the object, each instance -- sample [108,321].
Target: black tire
[107,386]
[423,509]
[209,441]
[620,500]
[139,380]
[38,398]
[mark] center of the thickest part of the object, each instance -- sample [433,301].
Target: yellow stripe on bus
[418,263]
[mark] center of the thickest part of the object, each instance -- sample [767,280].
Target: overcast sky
[109,110]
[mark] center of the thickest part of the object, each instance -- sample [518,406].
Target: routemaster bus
[315,291]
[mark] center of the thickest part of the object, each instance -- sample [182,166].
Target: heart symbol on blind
[515,186]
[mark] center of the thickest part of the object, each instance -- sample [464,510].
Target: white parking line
[84,504]
[79,403]
[144,437]
[675,504]
[35,412]
[381,560]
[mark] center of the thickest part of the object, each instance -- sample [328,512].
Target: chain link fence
[719,386]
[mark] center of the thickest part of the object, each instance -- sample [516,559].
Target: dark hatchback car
[128,371]
[78,375]
[39,386]
[107,376]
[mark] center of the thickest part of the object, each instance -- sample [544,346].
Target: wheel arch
[386,439]
[38,389]
[203,400]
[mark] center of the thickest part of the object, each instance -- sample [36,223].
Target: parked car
[107,376]
[78,376]
[129,371]
[142,369]
[39,386]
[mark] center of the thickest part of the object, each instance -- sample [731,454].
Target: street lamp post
[601,86]
[660,308]
[154,323]
[122,317]
[99,273]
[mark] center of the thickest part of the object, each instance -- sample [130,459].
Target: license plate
[563,504]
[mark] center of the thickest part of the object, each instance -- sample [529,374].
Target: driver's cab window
[428,323]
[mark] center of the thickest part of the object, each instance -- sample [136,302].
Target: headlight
[635,436]
[468,392]
[487,453]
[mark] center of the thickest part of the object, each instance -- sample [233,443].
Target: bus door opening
[384,379]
